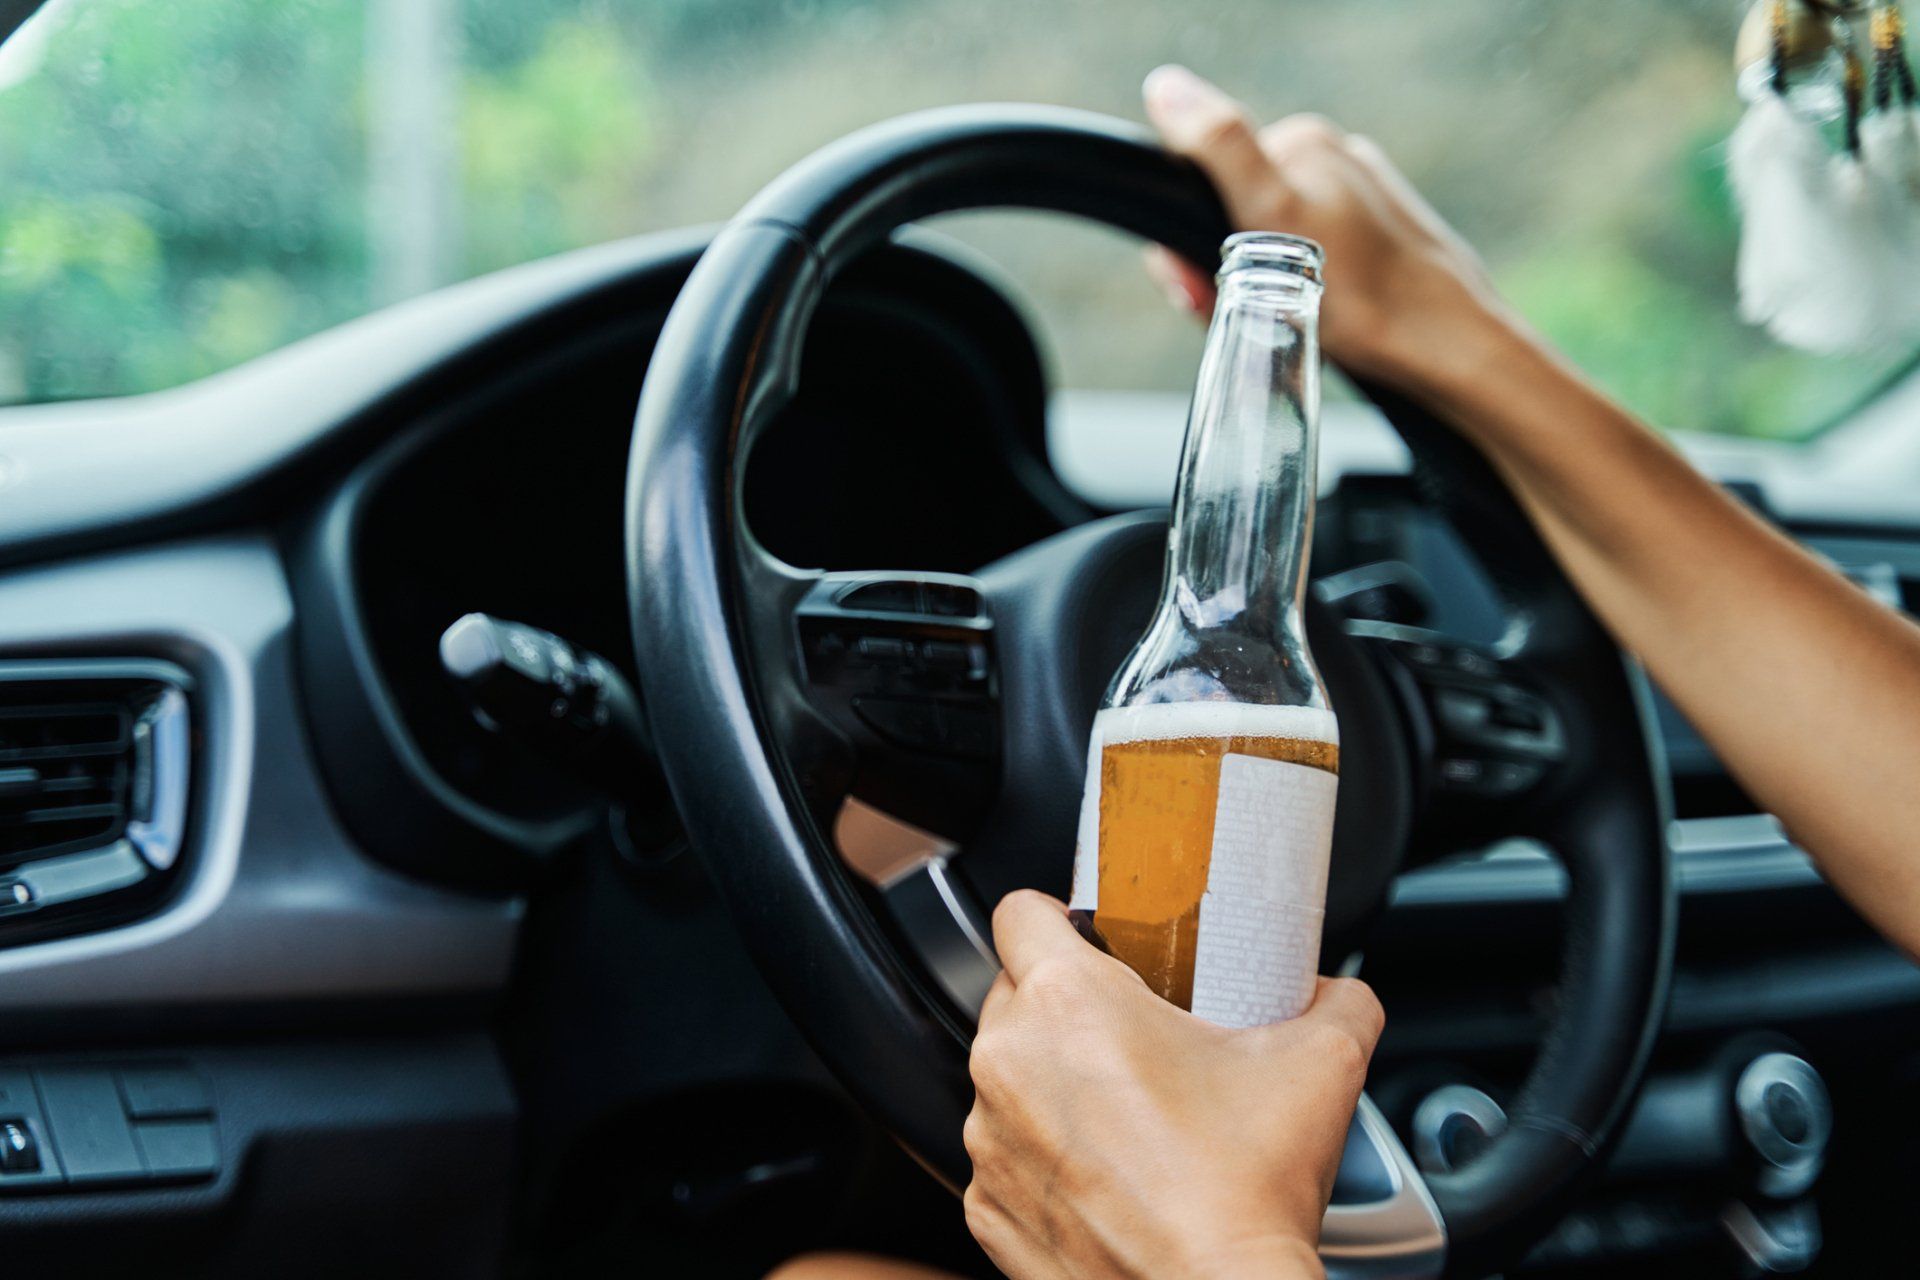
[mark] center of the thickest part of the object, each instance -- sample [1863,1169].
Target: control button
[970,732]
[85,1114]
[1510,778]
[1453,1125]
[1422,655]
[177,1148]
[19,1153]
[1787,1118]
[906,721]
[20,1109]
[946,655]
[884,649]
[1467,662]
[161,1091]
[17,1097]
[1465,772]
[15,895]
[1787,1111]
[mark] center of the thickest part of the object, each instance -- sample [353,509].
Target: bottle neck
[1243,508]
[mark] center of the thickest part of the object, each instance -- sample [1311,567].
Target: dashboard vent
[94,762]
[66,774]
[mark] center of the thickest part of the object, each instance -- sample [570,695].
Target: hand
[1116,1135]
[1401,283]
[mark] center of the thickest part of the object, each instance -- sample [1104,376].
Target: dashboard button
[946,655]
[19,1153]
[177,1148]
[165,1090]
[89,1124]
[881,649]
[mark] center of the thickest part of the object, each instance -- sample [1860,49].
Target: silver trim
[276,901]
[1443,1104]
[946,931]
[1740,854]
[158,833]
[1789,1168]
[1402,1237]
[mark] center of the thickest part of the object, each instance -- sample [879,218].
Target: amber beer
[1207,819]
[1157,802]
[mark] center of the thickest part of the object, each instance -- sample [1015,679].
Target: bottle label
[1202,852]
[1258,950]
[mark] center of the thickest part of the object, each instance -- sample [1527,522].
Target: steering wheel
[864,759]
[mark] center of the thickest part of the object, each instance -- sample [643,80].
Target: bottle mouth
[1271,251]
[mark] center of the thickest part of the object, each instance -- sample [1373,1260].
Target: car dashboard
[368,872]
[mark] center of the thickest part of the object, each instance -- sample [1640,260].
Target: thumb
[1197,120]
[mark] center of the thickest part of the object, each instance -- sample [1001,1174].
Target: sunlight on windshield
[185,185]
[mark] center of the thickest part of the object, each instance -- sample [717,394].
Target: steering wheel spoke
[903,666]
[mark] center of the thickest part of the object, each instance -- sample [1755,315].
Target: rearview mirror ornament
[1825,167]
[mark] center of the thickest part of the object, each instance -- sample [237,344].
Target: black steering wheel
[862,760]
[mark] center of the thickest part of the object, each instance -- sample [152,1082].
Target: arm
[1807,688]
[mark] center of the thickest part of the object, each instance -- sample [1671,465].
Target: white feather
[1890,141]
[1828,258]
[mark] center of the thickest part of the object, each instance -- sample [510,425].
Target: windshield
[185,184]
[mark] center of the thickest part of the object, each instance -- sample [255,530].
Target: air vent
[65,777]
[93,784]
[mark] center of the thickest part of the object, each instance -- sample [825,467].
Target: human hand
[1403,289]
[1115,1135]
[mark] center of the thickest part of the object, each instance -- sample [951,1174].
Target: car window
[186,185]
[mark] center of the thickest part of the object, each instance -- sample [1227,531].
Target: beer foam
[1163,721]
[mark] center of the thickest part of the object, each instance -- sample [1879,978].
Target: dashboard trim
[1711,855]
[277,902]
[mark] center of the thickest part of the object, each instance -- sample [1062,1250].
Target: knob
[1787,1118]
[1452,1125]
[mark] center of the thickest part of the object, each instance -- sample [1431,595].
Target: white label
[1260,918]
[1086,848]
[1256,962]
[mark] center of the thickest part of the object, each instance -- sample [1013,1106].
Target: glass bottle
[1208,813]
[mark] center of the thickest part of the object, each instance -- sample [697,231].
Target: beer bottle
[1208,812]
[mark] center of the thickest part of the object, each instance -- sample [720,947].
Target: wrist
[1447,351]
[1279,1257]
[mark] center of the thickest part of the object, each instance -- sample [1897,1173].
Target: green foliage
[177,193]
[186,184]
[550,143]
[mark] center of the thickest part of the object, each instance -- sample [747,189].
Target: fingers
[1186,286]
[1349,1005]
[997,995]
[1200,122]
[1028,927]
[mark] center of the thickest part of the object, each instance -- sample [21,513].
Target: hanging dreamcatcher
[1826,169]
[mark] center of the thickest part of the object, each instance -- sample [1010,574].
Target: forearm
[1807,688]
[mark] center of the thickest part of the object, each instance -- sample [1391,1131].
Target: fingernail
[1174,88]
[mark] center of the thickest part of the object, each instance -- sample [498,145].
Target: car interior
[513,782]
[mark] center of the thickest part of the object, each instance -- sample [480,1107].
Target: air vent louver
[66,772]
[95,758]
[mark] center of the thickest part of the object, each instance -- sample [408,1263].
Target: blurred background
[185,184]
